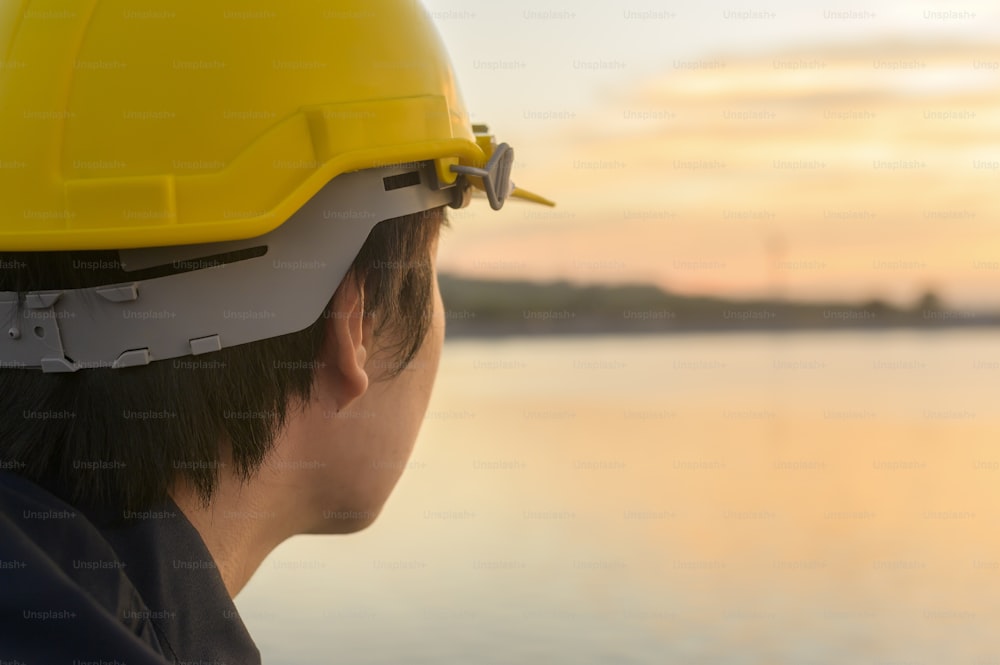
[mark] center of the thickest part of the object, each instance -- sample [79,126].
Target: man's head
[121,437]
[217,249]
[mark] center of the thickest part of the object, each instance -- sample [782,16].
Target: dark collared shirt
[83,588]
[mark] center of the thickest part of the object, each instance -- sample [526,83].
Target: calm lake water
[732,498]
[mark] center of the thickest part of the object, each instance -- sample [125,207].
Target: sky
[802,150]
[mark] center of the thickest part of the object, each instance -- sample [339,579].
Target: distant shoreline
[487,308]
[484,330]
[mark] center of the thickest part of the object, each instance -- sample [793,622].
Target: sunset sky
[802,150]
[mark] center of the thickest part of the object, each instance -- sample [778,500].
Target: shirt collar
[173,571]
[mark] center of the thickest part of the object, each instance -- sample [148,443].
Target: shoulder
[60,576]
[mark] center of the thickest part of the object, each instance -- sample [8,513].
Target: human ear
[347,343]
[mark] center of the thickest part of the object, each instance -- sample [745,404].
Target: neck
[240,527]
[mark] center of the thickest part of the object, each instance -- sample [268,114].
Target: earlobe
[348,336]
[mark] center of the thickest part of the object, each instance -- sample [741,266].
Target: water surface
[736,498]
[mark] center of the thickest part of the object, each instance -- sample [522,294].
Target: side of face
[343,454]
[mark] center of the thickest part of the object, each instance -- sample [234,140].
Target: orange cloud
[833,172]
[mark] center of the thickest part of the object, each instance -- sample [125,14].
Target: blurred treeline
[488,307]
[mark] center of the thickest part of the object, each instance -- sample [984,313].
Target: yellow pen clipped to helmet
[125,126]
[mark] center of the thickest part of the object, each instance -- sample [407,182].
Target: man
[219,307]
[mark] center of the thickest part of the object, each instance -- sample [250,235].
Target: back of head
[184,189]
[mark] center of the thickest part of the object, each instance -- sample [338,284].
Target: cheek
[439,317]
[401,402]
[385,422]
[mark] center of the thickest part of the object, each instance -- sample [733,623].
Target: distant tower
[776,248]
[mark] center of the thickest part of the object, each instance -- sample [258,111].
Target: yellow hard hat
[236,159]
[124,126]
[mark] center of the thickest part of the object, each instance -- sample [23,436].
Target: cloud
[854,159]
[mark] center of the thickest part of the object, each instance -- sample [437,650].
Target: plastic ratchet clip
[495,176]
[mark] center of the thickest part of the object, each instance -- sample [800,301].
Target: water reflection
[728,498]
